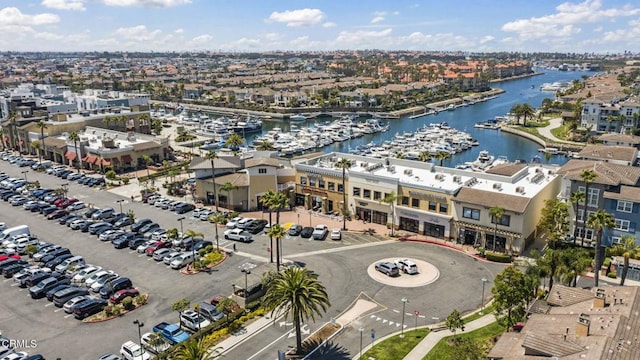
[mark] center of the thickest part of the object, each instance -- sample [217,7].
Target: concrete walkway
[554,124]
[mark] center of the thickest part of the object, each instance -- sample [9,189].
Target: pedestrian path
[554,124]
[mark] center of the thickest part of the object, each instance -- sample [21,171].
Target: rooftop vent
[497,186]
[520,189]
[471,182]
[408,171]
[440,177]
[537,178]
[457,179]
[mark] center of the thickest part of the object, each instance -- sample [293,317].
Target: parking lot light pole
[139,324]
[484,281]
[181,230]
[246,269]
[361,329]
[404,304]
[65,189]
[120,203]
[25,174]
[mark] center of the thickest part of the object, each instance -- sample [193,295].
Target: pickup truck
[320,232]
[238,235]
[171,332]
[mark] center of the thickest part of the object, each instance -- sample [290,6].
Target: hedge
[163,172]
[498,257]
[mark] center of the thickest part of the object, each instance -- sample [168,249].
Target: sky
[599,26]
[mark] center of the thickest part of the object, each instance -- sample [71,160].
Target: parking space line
[68,316]
[58,310]
[49,304]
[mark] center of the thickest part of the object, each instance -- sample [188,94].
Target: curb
[477,257]
[186,270]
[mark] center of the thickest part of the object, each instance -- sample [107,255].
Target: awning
[115,160]
[70,155]
[127,159]
[106,163]
[97,160]
[89,159]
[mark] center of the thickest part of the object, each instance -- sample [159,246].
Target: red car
[67,202]
[117,297]
[59,201]
[155,246]
[57,214]
[12,256]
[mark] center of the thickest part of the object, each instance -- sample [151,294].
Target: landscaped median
[395,347]
[112,311]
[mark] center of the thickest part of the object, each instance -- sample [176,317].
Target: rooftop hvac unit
[497,186]
[520,189]
[457,179]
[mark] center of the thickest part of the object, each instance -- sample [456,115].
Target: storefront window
[411,225]
[405,200]
[379,217]
[332,186]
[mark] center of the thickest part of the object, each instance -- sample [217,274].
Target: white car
[193,321]
[85,274]
[242,224]
[336,234]
[233,222]
[181,261]
[154,342]
[320,232]
[68,306]
[101,281]
[16,356]
[93,278]
[77,224]
[78,205]
[407,266]
[170,257]
[133,351]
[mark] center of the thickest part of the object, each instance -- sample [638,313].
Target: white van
[70,262]
[45,164]
[14,231]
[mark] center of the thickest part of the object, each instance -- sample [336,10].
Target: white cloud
[145,3]
[179,31]
[272,36]
[329,24]
[563,22]
[440,41]
[201,40]
[294,18]
[137,33]
[12,16]
[380,13]
[75,5]
[377,19]
[396,13]
[361,38]
[48,36]
[486,39]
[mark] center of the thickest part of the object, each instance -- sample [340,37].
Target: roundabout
[427,274]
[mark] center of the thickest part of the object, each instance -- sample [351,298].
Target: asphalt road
[341,266]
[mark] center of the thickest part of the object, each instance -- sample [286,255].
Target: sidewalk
[553,124]
[244,334]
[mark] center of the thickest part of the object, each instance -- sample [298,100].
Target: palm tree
[610,119]
[588,176]
[516,110]
[217,218]
[226,306]
[424,156]
[41,125]
[496,214]
[265,145]
[196,348]
[234,141]
[575,261]
[576,198]
[278,232]
[73,136]
[598,221]
[277,202]
[344,164]
[296,293]
[391,199]
[147,160]
[228,187]
[212,156]
[35,145]
[527,111]
[267,199]
[442,156]
[627,248]
[4,146]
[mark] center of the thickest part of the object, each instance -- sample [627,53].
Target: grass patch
[487,310]
[444,350]
[394,347]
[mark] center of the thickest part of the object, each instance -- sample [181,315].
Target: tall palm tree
[527,112]
[4,146]
[196,348]
[265,145]
[442,156]
[217,218]
[73,136]
[496,214]
[35,145]
[212,156]
[267,199]
[588,176]
[627,248]
[277,202]
[516,110]
[299,295]
[278,232]
[576,198]
[147,160]
[41,125]
[228,187]
[391,199]
[598,221]
[424,156]
[234,141]
[575,261]
[344,164]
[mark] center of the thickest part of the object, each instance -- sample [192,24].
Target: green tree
[277,201]
[172,233]
[598,221]
[146,161]
[299,295]
[391,199]
[73,136]
[512,291]
[131,215]
[454,322]
[424,156]
[575,261]
[217,218]
[548,264]
[344,164]
[228,188]
[576,198]
[527,112]
[496,213]
[555,221]
[627,248]
[442,155]
[267,200]
[212,156]
[588,176]
[35,145]
[226,306]
[265,145]
[180,306]
[41,125]
[277,232]
[468,349]
[234,141]
[196,348]
[156,342]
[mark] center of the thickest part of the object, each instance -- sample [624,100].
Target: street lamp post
[246,269]
[361,329]
[65,189]
[120,203]
[484,281]
[139,324]
[404,303]
[298,218]
[181,219]
[25,174]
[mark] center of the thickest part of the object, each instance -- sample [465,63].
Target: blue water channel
[526,90]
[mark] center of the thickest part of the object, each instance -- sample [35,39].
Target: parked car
[170,257]
[295,230]
[182,260]
[119,295]
[115,285]
[132,351]
[138,224]
[320,232]
[307,232]
[70,305]
[407,266]
[155,246]
[171,332]
[184,208]
[149,343]
[88,308]
[336,234]
[237,235]
[193,321]
[159,254]
[388,268]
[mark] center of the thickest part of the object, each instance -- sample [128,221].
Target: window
[622,225]
[624,206]
[312,181]
[367,193]
[303,180]
[470,213]
[340,188]
[588,236]
[444,208]
[332,186]
[356,191]
[405,200]
[262,170]
[580,217]
[432,205]
[377,195]
[593,195]
[321,183]
[504,221]
[415,203]
[616,239]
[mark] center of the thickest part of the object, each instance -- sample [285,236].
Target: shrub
[208,249]
[127,303]
[112,310]
[611,275]
[252,306]
[125,181]
[497,257]
[607,262]
[140,299]
[213,257]
[111,175]
[30,250]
